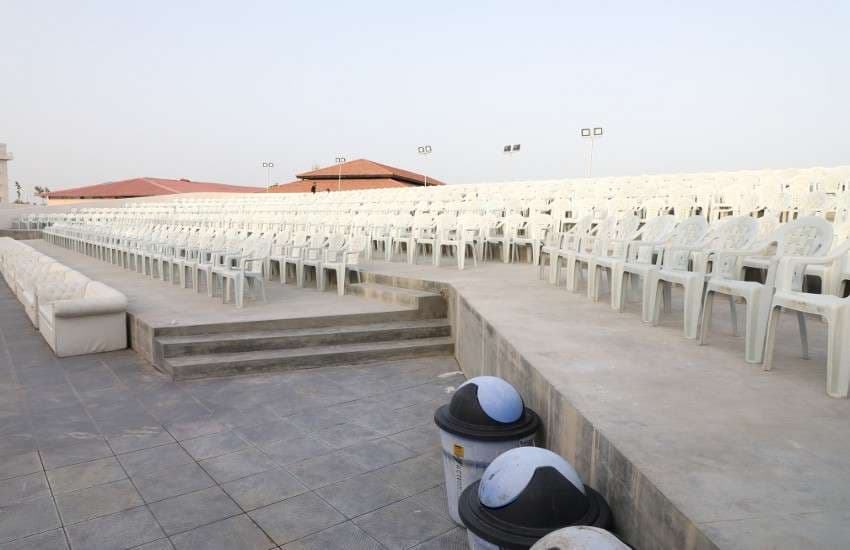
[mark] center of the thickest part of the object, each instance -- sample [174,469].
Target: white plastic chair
[833,309]
[809,236]
[687,267]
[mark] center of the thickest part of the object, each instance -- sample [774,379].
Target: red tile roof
[303,186]
[366,169]
[147,187]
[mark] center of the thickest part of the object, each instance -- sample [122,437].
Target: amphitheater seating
[643,234]
[74,314]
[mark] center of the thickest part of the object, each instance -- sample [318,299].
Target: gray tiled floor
[101,451]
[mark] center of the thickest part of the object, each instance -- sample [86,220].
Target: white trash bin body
[485,418]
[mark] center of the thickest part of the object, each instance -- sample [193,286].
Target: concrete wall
[644,517]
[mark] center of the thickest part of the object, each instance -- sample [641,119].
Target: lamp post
[510,150]
[591,134]
[268,166]
[340,161]
[424,150]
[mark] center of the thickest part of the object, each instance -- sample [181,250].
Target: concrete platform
[692,446]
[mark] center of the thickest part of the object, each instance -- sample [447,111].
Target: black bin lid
[489,409]
[525,494]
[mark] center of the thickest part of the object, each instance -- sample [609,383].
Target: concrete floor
[103,452]
[162,304]
[755,459]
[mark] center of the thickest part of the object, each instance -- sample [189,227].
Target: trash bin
[524,495]
[580,537]
[485,417]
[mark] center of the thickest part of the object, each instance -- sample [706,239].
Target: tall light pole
[340,161]
[510,150]
[424,150]
[591,134]
[268,166]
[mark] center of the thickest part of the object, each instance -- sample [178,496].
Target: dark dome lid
[487,408]
[525,494]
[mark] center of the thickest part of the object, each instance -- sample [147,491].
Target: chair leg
[804,334]
[707,306]
[733,313]
[838,358]
[693,303]
[340,281]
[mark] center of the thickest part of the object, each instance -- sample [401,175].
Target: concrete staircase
[421,329]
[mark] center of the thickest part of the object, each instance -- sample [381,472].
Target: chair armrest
[87,307]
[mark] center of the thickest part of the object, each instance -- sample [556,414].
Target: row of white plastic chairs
[706,260]
[227,261]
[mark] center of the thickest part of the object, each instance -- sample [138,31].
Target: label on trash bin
[457,451]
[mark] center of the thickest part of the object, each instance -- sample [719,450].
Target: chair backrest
[806,236]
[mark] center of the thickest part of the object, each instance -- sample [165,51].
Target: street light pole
[339,161]
[510,150]
[268,166]
[592,134]
[425,150]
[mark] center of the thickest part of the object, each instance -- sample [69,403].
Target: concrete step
[227,364]
[178,346]
[429,304]
[402,314]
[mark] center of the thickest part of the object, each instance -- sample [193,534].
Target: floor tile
[434,499]
[75,454]
[324,470]
[209,446]
[19,464]
[345,435]
[136,439]
[456,539]
[414,475]
[361,494]
[296,517]
[345,535]
[157,485]
[22,488]
[87,474]
[186,512]
[100,500]
[236,465]
[115,532]
[315,419]
[51,540]
[188,429]
[263,489]
[138,463]
[378,453]
[270,432]
[403,524]
[237,533]
[419,439]
[28,518]
[288,451]
[161,544]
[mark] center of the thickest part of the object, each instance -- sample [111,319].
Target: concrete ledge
[21,234]
[645,517]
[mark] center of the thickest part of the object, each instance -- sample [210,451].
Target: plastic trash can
[485,417]
[580,537]
[524,495]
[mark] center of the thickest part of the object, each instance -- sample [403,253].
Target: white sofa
[55,273]
[76,317]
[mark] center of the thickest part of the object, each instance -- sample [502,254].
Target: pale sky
[93,91]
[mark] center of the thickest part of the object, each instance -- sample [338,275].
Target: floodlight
[516,147]
[585,132]
[340,160]
[507,149]
[597,131]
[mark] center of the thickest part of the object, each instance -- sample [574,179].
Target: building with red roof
[143,187]
[354,175]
